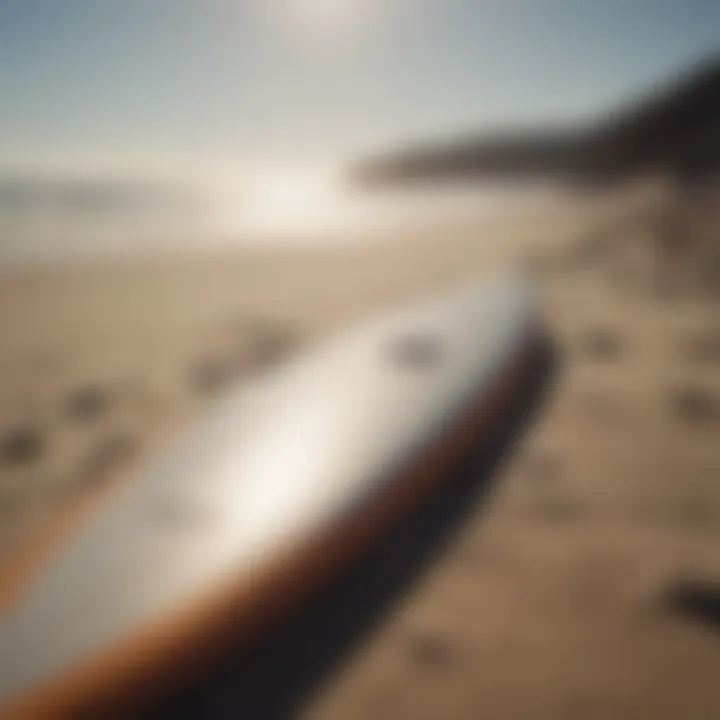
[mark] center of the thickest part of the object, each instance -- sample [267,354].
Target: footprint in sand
[430,652]
[602,344]
[22,446]
[87,403]
[695,404]
[697,600]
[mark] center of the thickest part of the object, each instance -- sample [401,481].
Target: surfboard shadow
[275,677]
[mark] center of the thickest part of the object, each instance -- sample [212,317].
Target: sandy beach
[588,588]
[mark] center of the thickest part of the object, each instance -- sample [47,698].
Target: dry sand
[590,588]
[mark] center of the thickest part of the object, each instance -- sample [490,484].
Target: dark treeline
[673,129]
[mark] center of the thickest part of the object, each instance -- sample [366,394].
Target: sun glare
[290,200]
[328,18]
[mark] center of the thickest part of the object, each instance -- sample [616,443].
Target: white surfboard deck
[273,463]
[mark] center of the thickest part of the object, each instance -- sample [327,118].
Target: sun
[323,18]
[333,12]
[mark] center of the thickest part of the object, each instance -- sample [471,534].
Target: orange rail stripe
[40,550]
[125,677]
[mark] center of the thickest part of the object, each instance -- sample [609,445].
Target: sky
[163,82]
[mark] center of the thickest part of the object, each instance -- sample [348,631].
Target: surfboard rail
[124,674]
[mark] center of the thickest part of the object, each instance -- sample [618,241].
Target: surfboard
[284,481]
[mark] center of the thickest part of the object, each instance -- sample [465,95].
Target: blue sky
[175,80]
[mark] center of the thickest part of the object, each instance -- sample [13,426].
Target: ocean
[65,218]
